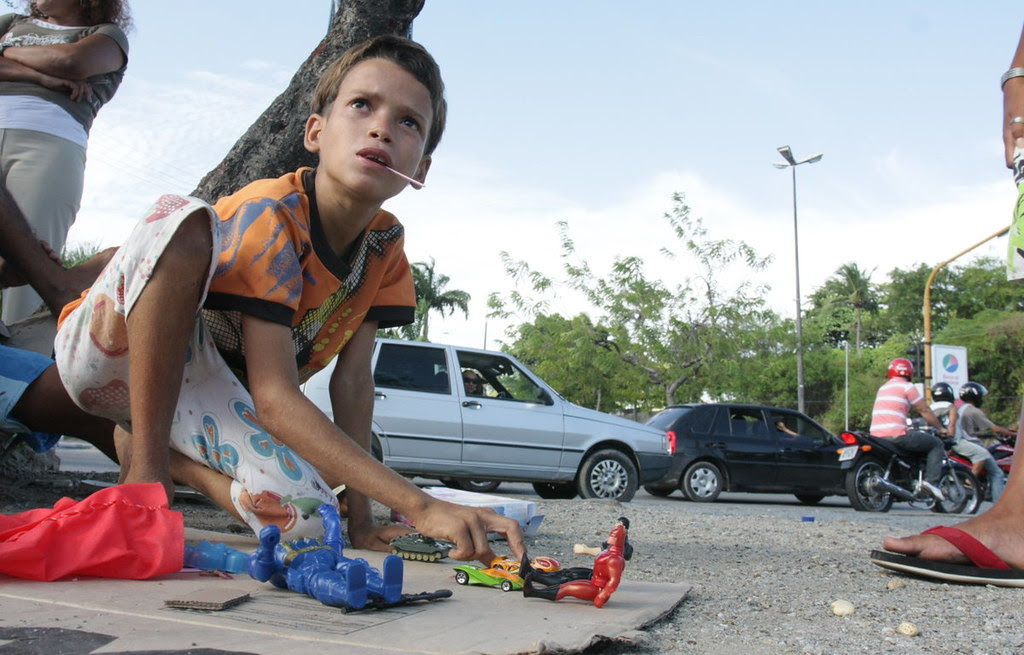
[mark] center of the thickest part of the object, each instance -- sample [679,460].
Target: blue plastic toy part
[215,557]
[319,568]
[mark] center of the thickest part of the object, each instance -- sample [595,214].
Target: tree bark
[272,146]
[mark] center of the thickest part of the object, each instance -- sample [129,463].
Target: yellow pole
[927,309]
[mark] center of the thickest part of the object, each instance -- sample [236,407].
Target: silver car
[432,419]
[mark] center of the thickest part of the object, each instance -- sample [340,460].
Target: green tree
[849,288]
[674,334]
[994,340]
[957,292]
[587,370]
[432,295]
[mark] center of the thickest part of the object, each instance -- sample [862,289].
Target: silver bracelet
[1010,74]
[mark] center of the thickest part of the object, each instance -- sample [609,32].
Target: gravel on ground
[764,576]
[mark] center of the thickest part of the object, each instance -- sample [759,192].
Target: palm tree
[858,291]
[432,296]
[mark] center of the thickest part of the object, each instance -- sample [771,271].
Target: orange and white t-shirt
[275,263]
[892,408]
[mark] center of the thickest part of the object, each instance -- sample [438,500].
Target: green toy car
[503,572]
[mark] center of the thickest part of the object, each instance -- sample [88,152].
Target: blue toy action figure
[319,568]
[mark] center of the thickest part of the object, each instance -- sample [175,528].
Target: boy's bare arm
[287,414]
[351,390]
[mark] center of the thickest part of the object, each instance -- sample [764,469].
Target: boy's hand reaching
[467,528]
[374,537]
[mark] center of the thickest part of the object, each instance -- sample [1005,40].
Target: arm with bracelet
[1012,83]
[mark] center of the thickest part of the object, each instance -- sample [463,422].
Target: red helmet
[901,368]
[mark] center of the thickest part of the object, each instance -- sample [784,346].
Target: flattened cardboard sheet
[130,616]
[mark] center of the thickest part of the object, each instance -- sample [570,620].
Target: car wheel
[555,490]
[863,489]
[479,486]
[660,492]
[506,585]
[376,450]
[810,499]
[962,491]
[462,577]
[702,482]
[608,475]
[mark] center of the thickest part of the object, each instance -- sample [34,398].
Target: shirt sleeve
[912,394]
[6,21]
[395,302]
[116,34]
[259,270]
[977,422]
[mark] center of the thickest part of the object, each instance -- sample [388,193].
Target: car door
[749,450]
[513,424]
[807,452]
[417,407]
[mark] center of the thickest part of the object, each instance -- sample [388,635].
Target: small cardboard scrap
[209,599]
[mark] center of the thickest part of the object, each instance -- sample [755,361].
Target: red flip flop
[986,567]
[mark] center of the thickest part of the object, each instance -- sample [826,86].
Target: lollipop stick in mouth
[413,181]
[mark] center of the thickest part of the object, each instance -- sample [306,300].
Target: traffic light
[916,353]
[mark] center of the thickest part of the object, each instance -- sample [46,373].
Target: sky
[596,112]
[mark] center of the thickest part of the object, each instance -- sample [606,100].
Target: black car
[734,447]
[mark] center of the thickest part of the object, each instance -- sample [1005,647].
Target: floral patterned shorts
[214,423]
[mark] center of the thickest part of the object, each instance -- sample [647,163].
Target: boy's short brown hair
[409,55]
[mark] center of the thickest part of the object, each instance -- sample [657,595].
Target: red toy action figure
[596,584]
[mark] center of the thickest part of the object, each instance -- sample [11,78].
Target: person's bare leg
[160,327]
[1001,528]
[25,261]
[213,484]
[46,407]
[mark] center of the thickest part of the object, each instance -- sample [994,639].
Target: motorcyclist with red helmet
[889,417]
[970,424]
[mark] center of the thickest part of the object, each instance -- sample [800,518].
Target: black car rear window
[694,419]
[666,419]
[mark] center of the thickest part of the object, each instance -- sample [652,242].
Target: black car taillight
[849,438]
[671,434]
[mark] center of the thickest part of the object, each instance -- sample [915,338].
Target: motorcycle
[882,474]
[1002,450]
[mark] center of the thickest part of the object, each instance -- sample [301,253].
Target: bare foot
[1002,532]
[123,448]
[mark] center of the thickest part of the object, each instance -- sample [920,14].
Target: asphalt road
[79,456]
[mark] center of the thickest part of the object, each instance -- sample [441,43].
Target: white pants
[215,423]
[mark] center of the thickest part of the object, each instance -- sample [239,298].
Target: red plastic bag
[126,531]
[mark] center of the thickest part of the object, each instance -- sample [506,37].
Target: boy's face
[380,117]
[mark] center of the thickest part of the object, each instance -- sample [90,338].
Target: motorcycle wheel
[962,491]
[861,487]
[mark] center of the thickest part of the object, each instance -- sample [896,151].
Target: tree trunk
[272,146]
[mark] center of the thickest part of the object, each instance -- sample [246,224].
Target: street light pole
[791,162]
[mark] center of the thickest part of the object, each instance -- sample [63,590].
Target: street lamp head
[811,159]
[781,165]
[787,154]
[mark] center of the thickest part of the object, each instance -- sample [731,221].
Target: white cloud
[464,226]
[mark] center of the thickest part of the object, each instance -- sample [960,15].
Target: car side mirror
[545,398]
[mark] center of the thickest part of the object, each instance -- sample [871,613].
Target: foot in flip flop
[985,568]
